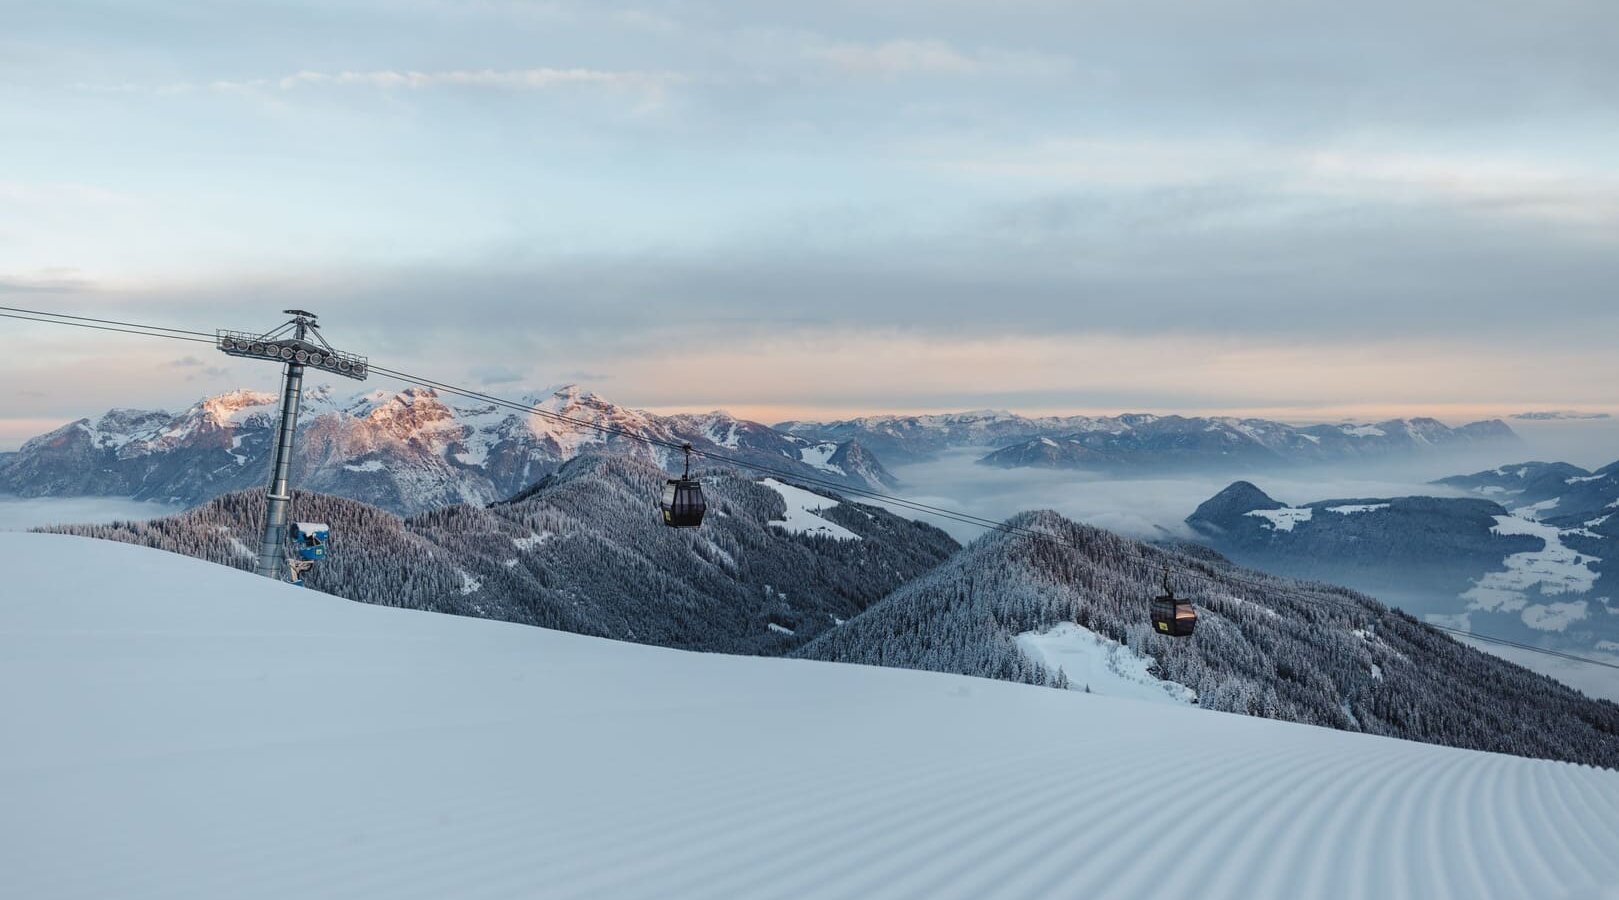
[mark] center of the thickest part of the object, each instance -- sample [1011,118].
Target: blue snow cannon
[309,540]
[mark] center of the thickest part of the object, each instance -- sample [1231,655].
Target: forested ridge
[1264,646]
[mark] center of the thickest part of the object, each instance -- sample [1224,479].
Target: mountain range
[407,451]
[782,570]
[1556,415]
[1144,440]
[1501,562]
[417,449]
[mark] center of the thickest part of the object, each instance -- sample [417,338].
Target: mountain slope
[1465,562]
[1551,491]
[1143,440]
[187,731]
[585,551]
[1302,652]
[1420,545]
[407,451]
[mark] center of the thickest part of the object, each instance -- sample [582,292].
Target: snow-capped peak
[228,408]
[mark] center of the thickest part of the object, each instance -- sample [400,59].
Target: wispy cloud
[532,79]
[47,281]
[1494,185]
[931,57]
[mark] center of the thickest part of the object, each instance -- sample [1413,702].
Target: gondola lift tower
[297,345]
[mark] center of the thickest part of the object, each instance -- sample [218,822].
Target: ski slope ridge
[177,729]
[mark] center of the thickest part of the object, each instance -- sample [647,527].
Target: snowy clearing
[801,508]
[817,455]
[236,544]
[1354,508]
[533,540]
[1102,665]
[1285,518]
[181,730]
[1550,571]
[1534,510]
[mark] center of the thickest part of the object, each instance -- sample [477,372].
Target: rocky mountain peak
[1238,499]
[222,409]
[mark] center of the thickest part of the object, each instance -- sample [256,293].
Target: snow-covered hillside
[176,729]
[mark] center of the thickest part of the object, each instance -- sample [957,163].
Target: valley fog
[1588,443]
[1156,505]
[24,513]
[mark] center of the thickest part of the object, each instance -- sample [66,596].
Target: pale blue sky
[1294,208]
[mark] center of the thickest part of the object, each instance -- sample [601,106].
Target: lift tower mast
[298,344]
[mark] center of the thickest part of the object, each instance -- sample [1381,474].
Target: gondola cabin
[683,504]
[1171,615]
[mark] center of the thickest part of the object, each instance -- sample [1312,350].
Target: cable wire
[1166,558]
[207,334]
[105,328]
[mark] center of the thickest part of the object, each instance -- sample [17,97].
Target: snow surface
[801,508]
[727,440]
[1361,431]
[1353,508]
[817,455]
[533,540]
[1533,510]
[1099,664]
[181,730]
[1285,518]
[370,465]
[1553,570]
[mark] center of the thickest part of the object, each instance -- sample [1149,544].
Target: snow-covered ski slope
[179,730]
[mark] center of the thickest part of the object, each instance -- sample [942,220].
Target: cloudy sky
[1285,207]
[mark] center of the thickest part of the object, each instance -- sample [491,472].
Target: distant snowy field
[179,730]
[23,513]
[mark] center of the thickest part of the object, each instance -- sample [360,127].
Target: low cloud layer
[1155,507]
